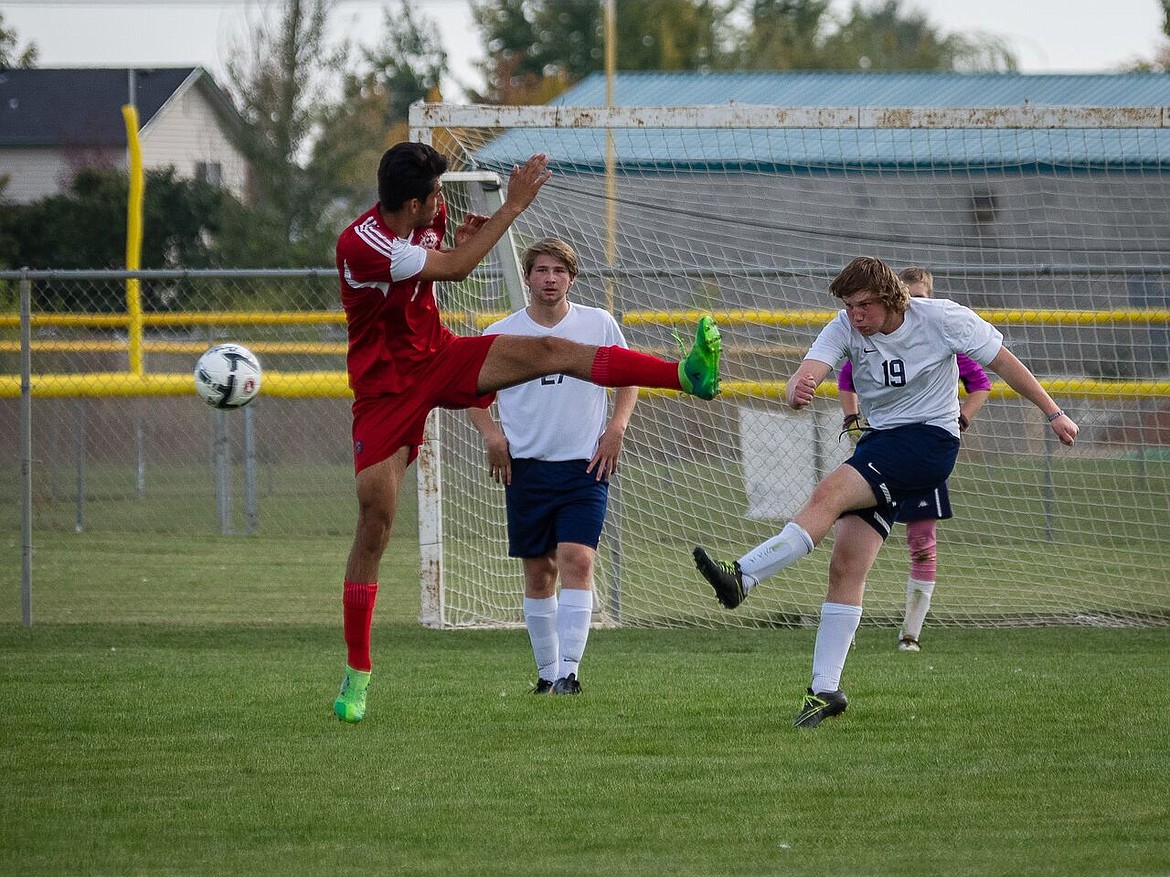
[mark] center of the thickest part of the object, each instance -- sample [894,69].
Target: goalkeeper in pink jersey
[919,515]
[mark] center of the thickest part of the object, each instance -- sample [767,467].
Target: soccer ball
[227,376]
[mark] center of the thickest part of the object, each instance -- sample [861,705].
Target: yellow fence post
[134,237]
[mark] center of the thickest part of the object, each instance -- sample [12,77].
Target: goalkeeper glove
[853,426]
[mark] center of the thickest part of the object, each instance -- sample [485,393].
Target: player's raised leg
[699,369]
[515,359]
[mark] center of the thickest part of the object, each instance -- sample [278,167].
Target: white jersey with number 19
[909,375]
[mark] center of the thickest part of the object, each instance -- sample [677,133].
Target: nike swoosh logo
[867,350]
[873,467]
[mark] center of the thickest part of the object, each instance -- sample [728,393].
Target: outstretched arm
[1019,378]
[476,236]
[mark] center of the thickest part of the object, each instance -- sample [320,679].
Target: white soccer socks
[790,545]
[839,623]
[918,595]
[540,617]
[573,617]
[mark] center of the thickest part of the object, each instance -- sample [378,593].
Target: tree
[11,55]
[785,35]
[1161,60]
[673,35]
[281,84]
[406,66]
[85,227]
[517,67]
[536,47]
[885,37]
[410,62]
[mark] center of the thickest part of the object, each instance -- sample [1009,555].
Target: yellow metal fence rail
[333,384]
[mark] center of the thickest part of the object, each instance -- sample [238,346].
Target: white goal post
[1049,221]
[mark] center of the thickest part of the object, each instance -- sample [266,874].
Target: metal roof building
[790,148]
[759,217]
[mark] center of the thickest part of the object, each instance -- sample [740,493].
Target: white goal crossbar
[426,117]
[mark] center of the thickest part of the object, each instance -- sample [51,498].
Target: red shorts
[383,424]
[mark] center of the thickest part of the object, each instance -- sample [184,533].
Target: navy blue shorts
[550,502]
[933,506]
[904,463]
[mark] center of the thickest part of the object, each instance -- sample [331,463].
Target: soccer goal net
[1050,222]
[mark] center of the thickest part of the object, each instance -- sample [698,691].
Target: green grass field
[158,749]
[174,718]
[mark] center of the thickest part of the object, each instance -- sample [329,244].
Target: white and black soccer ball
[227,376]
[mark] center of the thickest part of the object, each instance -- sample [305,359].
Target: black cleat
[543,686]
[820,706]
[567,685]
[725,578]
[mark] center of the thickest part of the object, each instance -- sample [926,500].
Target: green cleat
[350,705]
[698,372]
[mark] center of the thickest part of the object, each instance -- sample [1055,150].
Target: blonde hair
[554,247]
[915,274]
[874,275]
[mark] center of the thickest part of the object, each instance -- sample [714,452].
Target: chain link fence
[111,439]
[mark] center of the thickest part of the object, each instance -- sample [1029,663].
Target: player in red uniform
[403,362]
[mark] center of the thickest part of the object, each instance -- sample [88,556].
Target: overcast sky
[1047,35]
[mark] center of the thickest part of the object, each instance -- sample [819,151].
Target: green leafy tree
[1160,63]
[407,65]
[281,83]
[85,227]
[673,35]
[410,62]
[11,55]
[785,35]
[1162,59]
[354,135]
[886,37]
[538,47]
[517,62]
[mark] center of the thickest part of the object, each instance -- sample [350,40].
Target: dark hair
[408,170]
[874,275]
[554,247]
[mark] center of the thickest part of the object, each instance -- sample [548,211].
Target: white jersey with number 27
[910,375]
[557,417]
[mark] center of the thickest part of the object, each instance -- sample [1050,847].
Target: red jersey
[392,318]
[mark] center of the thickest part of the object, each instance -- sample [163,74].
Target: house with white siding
[56,121]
